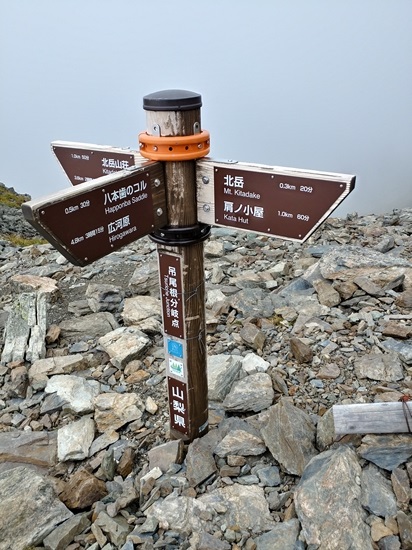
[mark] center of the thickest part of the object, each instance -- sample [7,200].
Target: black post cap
[172,100]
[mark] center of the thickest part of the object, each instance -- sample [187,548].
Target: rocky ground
[85,457]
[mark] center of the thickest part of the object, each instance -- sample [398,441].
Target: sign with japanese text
[90,221]
[284,203]
[85,162]
[179,418]
[172,298]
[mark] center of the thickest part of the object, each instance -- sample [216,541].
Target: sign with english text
[281,202]
[84,162]
[92,220]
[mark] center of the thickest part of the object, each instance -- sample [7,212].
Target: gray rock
[252,363]
[401,486]
[26,329]
[104,297]
[282,537]
[186,514]
[63,535]
[29,509]
[164,455]
[289,435]
[79,308]
[93,325]
[241,443]
[103,441]
[107,467]
[214,297]
[327,295]
[51,404]
[252,393]
[77,393]
[214,249]
[255,516]
[200,462]
[36,448]
[351,260]
[19,381]
[269,476]
[145,279]
[379,366]
[222,370]
[252,336]
[249,279]
[74,439]
[332,478]
[385,244]
[43,368]
[325,430]
[301,351]
[209,542]
[366,284]
[144,313]
[403,349]
[124,345]
[299,295]
[116,528]
[389,543]
[405,529]
[252,302]
[404,299]
[386,451]
[377,494]
[113,410]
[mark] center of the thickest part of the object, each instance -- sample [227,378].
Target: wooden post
[181,268]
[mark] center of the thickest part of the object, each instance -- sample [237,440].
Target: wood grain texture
[180,176]
[180,181]
[192,262]
[372,418]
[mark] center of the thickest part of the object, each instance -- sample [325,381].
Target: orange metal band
[174,147]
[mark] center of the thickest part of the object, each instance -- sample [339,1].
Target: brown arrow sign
[92,220]
[83,162]
[282,202]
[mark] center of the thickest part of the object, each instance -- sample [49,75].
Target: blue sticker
[175,348]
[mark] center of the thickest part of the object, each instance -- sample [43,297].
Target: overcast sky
[316,84]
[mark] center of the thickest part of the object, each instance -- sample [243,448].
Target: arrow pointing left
[83,162]
[91,220]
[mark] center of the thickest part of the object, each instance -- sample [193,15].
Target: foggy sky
[313,84]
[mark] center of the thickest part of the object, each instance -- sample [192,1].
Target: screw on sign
[171,192]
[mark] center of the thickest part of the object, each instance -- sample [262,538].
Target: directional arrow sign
[83,162]
[282,202]
[92,220]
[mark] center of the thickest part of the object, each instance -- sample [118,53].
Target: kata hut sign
[174,193]
[281,202]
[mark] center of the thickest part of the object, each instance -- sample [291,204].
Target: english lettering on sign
[282,202]
[90,221]
[82,162]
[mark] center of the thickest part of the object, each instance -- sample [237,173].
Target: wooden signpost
[172,192]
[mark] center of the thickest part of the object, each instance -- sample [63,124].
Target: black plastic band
[181,236]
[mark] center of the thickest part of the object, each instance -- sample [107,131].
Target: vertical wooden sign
[171,284]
